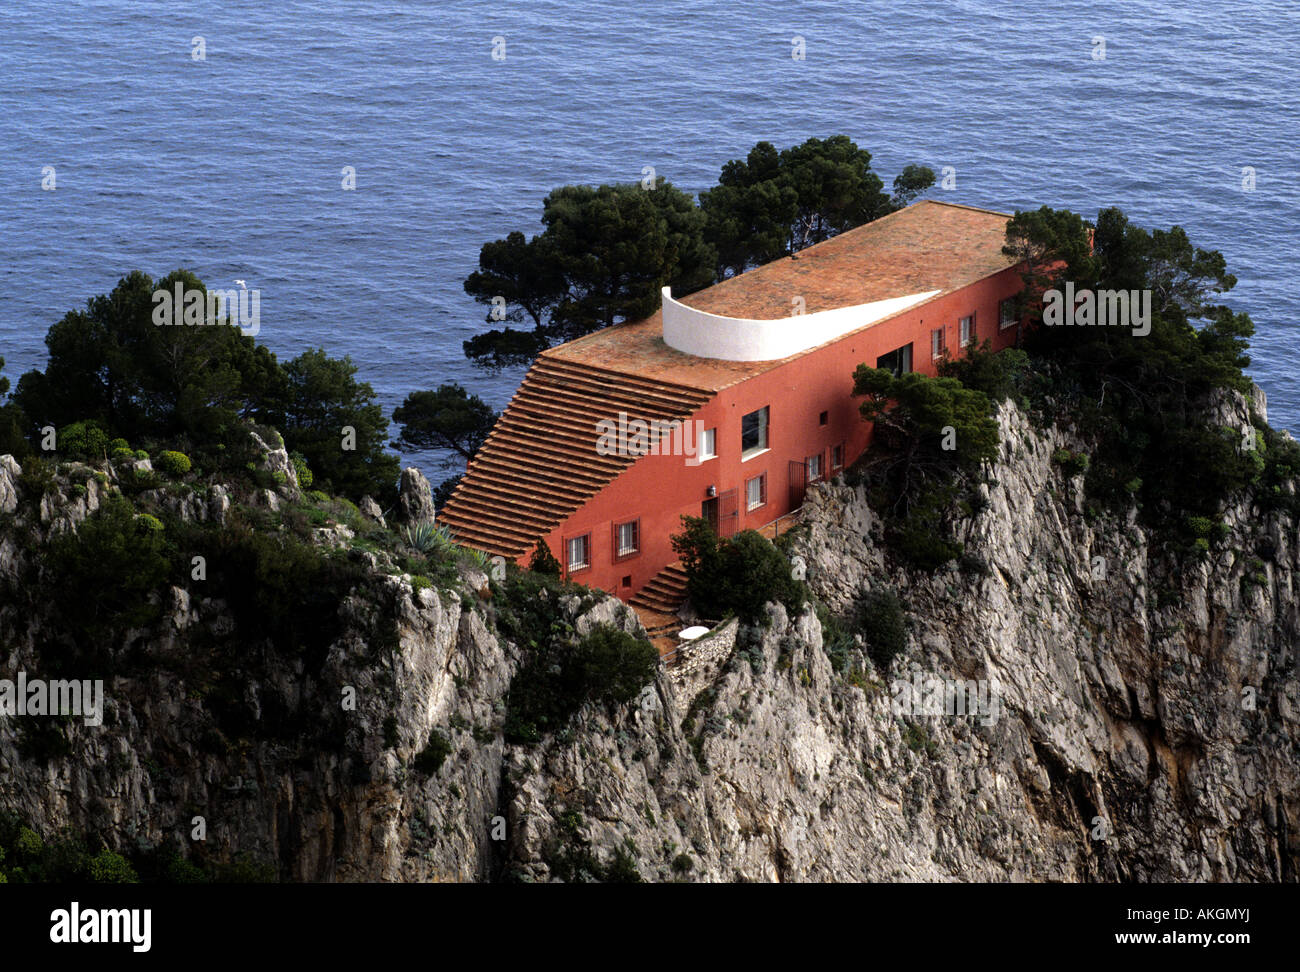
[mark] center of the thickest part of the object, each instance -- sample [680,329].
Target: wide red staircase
[540,464]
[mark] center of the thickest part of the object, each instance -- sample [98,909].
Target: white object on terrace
[740,339]
[693,632]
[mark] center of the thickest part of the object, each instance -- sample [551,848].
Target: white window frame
[711,450]
[820,473]
[764,426]
[938,343]
[1005,322]
[635,548]
[966,330]
[585,540]
[761,480]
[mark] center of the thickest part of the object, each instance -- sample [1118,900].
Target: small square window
[823,418]
[579,552]
[627,580]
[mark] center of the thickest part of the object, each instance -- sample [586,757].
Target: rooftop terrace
[929,246]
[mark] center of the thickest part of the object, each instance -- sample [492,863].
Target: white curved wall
[739,339]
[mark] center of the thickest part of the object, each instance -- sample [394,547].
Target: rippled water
[232,166]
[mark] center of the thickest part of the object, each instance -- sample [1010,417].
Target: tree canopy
[603,257]
[447,417]
[773,203]
[200,386]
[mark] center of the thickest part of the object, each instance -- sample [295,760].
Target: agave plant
[478,558]
[425,537]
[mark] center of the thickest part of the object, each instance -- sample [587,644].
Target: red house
[744,390]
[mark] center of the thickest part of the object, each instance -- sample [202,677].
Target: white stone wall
[739,339]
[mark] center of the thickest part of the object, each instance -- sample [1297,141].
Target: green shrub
[302,470]
[998,374]
[281,587]
[881,620]
[141,454]
[28,845]
[172,463]
[1072,463]
[612,665]
[102,575]
[149,522]
[836,640]
[122,454]
[543,561]
[738,575]
[37,479]
[83,440]
[431,758]
[556,680]
[107,867]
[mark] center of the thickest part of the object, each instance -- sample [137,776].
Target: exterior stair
[665,593]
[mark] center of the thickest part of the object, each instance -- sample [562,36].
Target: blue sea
[232,165]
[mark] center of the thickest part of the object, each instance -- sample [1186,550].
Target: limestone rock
[415,498]
[370,509]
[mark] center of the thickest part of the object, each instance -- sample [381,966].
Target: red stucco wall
[658,490]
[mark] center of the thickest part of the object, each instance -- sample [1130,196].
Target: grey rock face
[274,458]
[370,509]
[9,473]
[1147,725]
[415,498]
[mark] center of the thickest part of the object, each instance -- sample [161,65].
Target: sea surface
[232,165]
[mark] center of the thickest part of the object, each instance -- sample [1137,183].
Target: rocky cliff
[1145,721]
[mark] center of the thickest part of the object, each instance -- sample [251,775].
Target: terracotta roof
[539,464]
[929,245]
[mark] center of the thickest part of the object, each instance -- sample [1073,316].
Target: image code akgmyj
[689,444]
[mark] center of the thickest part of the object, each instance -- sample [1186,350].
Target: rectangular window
[937,344]
[753,432]
[1006,313]
[837,457]
[898,361]
[709,444]
[755,492]
[814,467]
[579,552]
[823,418]
[967,330]
[627,538]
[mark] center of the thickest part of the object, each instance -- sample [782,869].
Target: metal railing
[775,525]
